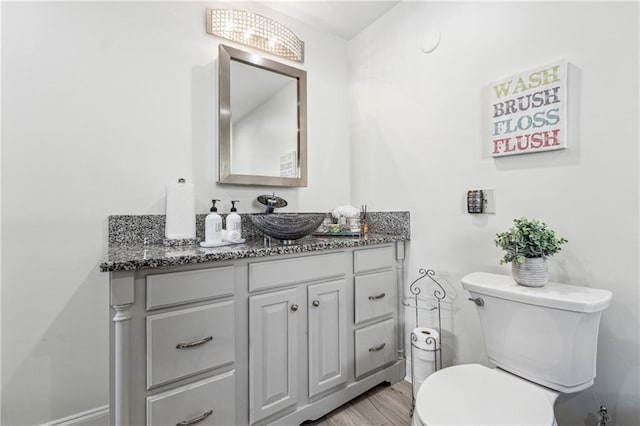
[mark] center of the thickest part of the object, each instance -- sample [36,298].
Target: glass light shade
[256,31]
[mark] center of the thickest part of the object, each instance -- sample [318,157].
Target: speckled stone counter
[127,257]
[136,242]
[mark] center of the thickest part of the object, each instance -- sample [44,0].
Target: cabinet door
[327,336]
[273,342]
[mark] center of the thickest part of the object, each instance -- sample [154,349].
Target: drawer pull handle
[377,296]
[194,343]
[377,348]
[195,419]
[294,307]
[316,303]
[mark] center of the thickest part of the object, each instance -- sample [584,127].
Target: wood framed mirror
[262,120]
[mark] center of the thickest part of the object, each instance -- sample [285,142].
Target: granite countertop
[134,256]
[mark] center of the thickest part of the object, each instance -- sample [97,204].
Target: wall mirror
[262,120]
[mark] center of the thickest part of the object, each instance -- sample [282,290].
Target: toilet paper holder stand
[413,302]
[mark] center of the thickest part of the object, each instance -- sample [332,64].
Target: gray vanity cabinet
[253,341]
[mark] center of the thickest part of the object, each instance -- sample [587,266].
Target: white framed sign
[529,111]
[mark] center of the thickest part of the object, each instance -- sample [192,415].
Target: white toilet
[543,342]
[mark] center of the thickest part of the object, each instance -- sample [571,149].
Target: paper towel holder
[412,302]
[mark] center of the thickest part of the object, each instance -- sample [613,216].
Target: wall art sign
[529,111]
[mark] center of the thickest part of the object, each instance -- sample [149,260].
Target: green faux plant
[527,239]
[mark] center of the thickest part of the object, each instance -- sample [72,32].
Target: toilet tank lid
[552,295]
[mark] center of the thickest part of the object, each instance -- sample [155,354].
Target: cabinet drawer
[374,295]
[212,401]
[373,259]
[289,271]
[375,346]
[188,341]
[183,287]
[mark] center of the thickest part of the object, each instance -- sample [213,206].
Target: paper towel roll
[424,354]
[231,236]
[181,211]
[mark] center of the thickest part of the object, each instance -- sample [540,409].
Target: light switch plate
[489,200]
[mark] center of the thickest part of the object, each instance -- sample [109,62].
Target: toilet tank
[548,335]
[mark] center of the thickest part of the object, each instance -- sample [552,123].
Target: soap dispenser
[234,223]
[213,226]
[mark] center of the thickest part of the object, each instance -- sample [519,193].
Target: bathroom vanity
[250,334]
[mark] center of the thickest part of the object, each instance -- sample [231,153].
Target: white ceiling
[342,18]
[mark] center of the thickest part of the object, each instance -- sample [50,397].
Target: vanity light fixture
[255,31]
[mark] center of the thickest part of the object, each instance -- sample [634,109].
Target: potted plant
[527,245]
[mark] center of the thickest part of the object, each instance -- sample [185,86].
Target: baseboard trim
[95,417]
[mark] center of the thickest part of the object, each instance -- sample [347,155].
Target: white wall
[419,139]
[103,104]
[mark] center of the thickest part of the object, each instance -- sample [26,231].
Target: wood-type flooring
[383,405]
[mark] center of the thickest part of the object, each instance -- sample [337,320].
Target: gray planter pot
[532,273]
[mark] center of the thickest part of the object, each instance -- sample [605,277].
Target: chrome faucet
[272,202]
[271,205]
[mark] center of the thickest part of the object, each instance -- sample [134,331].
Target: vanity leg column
[400,297]
[122,325]
[122,298]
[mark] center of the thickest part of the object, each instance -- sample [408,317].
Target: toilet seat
[473,394]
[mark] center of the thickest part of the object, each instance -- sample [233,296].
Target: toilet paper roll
[181,211]
[230,236]
[424,354]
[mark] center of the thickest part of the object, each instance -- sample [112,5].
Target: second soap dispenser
[233,221]
[213,225]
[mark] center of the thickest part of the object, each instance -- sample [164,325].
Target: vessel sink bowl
[287,226]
